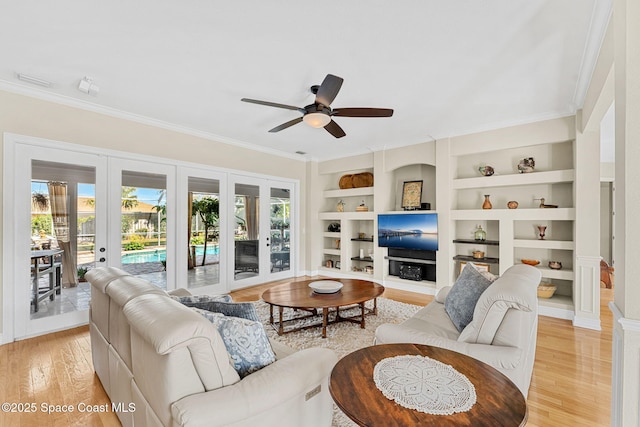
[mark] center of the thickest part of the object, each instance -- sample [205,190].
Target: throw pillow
[461,300]
[246,342]
[193,299]
[490,276]
[244,310]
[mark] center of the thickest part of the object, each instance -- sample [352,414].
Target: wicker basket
[546,290]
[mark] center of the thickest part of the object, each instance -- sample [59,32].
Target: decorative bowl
[532,262]
[555,265]
[512,204]
[546,290]
[478,254]
[326,286]
[486,170]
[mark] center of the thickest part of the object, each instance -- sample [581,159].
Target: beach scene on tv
[409,231]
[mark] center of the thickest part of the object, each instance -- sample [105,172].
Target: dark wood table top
[499,401]
[300,295]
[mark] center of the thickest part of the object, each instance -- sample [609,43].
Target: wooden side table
[499,402]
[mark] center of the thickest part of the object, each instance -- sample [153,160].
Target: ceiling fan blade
[334,129]
[272,104]
[286,125]
[362,112]
[329,89]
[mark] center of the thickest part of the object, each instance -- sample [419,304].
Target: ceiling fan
[319,114]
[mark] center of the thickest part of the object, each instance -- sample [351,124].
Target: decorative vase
[487,203]
[480,235]
[542,229]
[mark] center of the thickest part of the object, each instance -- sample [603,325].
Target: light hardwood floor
[571,383]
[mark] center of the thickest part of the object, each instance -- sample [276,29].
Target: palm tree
[209,210]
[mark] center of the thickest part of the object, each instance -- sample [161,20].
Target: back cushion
[168,326]
[516,289]
[461,299]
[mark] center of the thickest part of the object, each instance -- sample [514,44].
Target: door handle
[103,259]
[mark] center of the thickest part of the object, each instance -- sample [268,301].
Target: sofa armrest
[179,292]
[282,381]
[500,357]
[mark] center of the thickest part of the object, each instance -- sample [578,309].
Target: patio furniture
[51,267]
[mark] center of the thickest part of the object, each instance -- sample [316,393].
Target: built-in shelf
[332,234]
[348,192]
[331,251]
[346,215]
[413,260]
[477,242]
[366,239]
[549,273]
[357,258]
[486,260]
[533,178]
[544,244]
[533,214]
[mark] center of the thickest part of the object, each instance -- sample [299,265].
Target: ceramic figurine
[543,205]
[526,165]
[486,170]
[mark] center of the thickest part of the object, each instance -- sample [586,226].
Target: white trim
[629,325]
[8,237]
[588,323]
[558,313]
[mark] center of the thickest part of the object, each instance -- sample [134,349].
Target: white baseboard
[587,323]
[558,313]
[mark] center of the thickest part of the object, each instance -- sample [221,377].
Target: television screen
[408,231]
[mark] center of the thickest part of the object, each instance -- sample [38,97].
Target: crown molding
[47,95]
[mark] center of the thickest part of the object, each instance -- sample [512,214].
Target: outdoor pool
[161,255]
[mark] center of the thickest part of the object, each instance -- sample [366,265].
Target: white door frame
[264,270]
[18,155]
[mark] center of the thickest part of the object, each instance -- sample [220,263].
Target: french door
[261,231]
[58,229]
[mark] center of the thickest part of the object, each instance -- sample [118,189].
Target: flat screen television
[408,231]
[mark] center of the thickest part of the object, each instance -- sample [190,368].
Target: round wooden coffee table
[499,402]
[299,296]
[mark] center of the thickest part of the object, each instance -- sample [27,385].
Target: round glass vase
[480,235]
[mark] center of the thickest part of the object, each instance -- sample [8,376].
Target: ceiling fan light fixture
[316,120]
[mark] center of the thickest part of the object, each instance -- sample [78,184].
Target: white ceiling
[446,67]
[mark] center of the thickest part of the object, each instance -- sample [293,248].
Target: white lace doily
[424,384]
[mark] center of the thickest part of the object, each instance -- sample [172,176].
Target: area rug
[343,337]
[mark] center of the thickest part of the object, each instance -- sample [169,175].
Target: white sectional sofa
[163,364]
[503,331]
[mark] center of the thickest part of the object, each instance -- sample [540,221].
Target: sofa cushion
[168,326]
[463,296]
[246,341]
[244,310]
[511,291]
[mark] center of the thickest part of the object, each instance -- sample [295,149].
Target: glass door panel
[143,225]
[63,206]
[203,204]
[280,223]
[247,231]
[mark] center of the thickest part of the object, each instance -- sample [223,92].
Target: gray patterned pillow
[463,296]
[246,342]
[245,310]
[193,299]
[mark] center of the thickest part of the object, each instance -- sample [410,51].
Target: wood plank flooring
[571,383]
